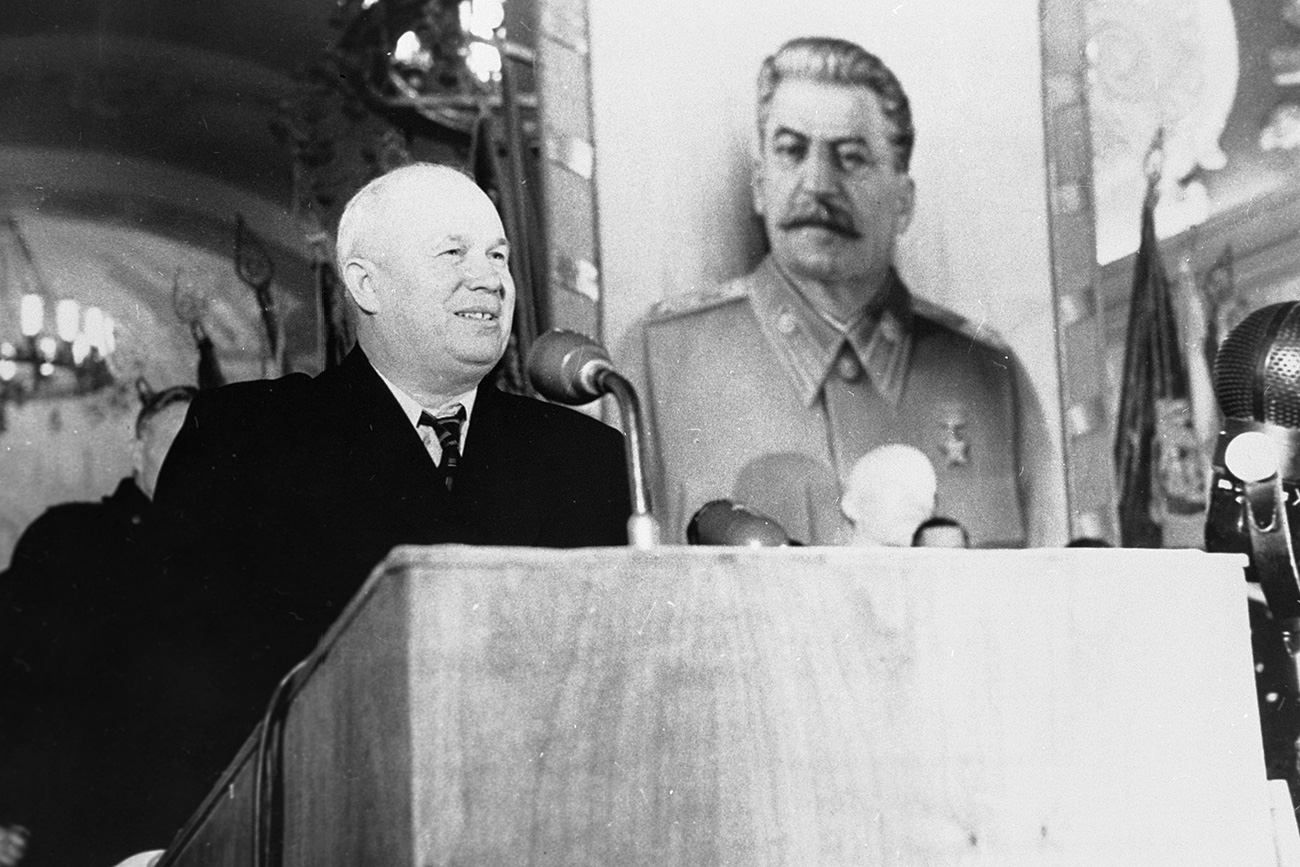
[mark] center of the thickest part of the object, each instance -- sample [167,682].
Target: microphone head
[564,365]
[1257,369]
[722,522]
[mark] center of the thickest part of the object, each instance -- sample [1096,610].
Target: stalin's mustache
[819,214]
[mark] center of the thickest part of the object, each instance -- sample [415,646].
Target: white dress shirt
[413,409]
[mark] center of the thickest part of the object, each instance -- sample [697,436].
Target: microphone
[724,522]
[1255,501]
[568,367]
[571,368]
[797,491]
[1254,492]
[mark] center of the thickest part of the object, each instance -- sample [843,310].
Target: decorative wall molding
[1089,472]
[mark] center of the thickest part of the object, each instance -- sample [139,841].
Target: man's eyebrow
[834,142]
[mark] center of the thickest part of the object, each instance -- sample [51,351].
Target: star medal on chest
[955,445]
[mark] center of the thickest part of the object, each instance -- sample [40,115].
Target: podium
[815,706]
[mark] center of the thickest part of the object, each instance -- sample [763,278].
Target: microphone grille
[556,365]
[1257,369]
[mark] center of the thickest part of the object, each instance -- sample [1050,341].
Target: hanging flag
[1191,307]
[1158,455]
[1223,307]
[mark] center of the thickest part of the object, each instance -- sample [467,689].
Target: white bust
[887,495]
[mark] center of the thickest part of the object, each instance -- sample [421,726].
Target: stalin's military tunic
[756,397]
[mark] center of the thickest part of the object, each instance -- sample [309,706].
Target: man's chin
[817,263]
[482,353]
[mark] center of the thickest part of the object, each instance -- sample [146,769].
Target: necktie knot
[446,427]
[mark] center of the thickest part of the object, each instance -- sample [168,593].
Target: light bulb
[67,319]
[485,17]
[410,51]
[484,61]
[32,314]
[92,326]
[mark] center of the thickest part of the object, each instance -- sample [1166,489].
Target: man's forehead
[821,110]
[435,193]
[456,210]
[489,235]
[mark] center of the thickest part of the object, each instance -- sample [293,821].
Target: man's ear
[361,284]
[756,181]
[906,204]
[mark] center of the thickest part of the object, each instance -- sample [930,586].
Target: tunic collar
[811,348]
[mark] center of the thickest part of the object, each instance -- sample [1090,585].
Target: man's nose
[820,172]
[481,274]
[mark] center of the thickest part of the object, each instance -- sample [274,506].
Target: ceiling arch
[159,145]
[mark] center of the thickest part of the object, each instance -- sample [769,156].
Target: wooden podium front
[695,706]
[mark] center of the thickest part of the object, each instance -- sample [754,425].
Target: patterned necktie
[447,429]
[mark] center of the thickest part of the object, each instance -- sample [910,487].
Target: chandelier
[441,60]
[71,359]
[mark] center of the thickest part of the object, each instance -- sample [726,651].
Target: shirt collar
[412,408]
[808,345]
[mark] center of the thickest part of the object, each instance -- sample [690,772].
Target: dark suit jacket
[279,497]
[321,477]
[67,606]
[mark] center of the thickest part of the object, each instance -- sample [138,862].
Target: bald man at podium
[279,497]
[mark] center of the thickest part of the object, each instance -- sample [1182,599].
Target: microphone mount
[571,368]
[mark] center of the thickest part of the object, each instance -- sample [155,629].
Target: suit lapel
[377,455]
[497,473]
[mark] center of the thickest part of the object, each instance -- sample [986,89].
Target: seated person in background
[822,353]
[280,497]
[940,532]
[67,605]
[890,492]
[67,538]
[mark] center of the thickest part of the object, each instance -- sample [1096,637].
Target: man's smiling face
[442,280]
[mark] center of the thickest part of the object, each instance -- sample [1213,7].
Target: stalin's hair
[827,60]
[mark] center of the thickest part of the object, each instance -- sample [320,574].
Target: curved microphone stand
[571,368]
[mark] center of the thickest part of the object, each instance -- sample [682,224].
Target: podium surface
[694,706]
